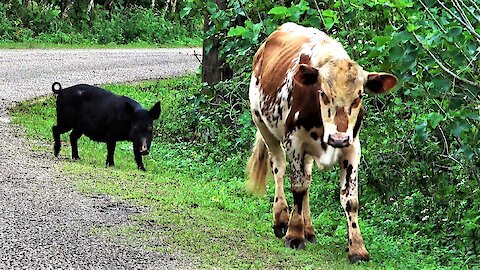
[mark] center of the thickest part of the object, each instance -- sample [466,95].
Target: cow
[306,102]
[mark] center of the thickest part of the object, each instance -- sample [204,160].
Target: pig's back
[97,113]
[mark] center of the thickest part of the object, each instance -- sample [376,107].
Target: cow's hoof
[311,238]
[354,258]
[280,230]
[76,158]
[295,243]
[141,168]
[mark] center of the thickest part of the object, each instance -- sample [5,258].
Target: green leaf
[237,31]
[329,13]
[455,31]
[434,119]
[421,131]
[472,115]
[396,53]
[185,11]
[281,11]
[459,127]
[329,23]
[441,85]
[411,27]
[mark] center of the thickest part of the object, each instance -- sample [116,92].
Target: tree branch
[474,4]
[471,12]
[432,16]
[442,66]
[471,30]
[459,9]
[443,30]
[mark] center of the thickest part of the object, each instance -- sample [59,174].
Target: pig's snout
[144,148]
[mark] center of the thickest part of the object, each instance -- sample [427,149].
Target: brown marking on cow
[358,123]
[341,119]
[270,64]
[306,103]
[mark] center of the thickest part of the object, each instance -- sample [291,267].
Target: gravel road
[44,223]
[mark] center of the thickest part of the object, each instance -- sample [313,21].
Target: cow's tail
[257,167]
[55,89]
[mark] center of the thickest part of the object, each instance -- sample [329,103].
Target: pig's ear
[155,111]
[129,108]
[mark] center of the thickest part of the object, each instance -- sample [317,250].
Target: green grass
[198,205]
[138,45]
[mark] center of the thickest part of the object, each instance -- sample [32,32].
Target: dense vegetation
[420,169]
[104,22]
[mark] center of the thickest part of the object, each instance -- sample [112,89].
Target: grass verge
[198,204]
[138,45]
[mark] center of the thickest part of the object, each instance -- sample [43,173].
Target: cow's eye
[324,97]
[356,102]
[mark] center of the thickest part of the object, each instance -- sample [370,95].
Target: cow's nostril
[338,141]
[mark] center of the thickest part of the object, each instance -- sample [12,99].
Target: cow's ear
[155,111]
[129,109]
[380,83]
[306,75]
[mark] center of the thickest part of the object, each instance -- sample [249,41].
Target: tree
[214,67]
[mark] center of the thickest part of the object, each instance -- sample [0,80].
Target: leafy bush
[42,22]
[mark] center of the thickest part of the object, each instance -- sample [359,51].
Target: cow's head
[341,85]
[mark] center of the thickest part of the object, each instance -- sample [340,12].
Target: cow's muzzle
[338,140]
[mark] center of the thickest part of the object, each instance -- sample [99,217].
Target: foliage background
[106,22]
[420,167]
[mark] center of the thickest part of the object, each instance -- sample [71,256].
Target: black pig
[103,117]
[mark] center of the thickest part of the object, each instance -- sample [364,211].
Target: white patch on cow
[296,116]
[302,141]
[254,94]
[328,158]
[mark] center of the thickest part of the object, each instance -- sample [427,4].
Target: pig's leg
[74,136]
[57,131]
[138,159]
[110,151]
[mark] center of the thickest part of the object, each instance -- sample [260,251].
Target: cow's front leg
[300,184]
[349,200]
[309,231]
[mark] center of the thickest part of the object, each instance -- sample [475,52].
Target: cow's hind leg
[57,131]
[74,136]
[280,206]
[277,159]
[349,200]
[300,184]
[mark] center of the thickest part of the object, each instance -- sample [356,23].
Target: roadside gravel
[44,223]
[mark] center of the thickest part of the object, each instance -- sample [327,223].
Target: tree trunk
[214,68]
[153,4]
[66,6]
[90,6]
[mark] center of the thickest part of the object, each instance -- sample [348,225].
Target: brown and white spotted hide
[306,101]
